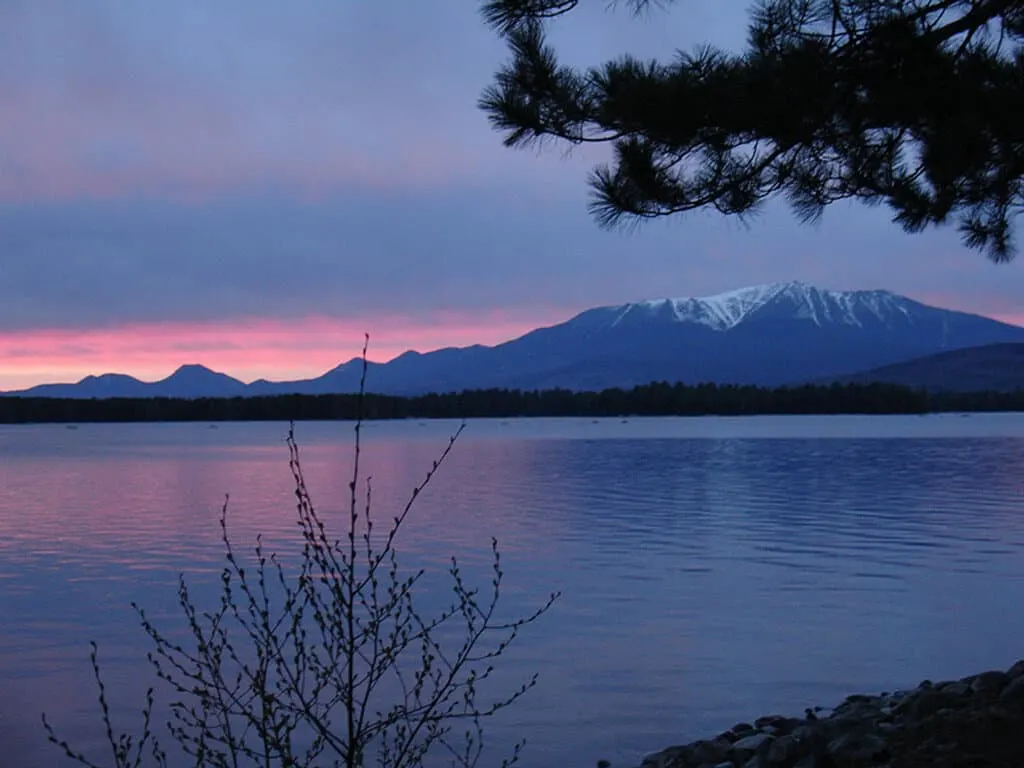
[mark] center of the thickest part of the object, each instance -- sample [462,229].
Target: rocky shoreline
[975,722]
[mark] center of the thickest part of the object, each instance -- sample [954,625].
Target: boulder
[927,702]
[968,723]
[667,758]
[957,688]
[787,750]
[1013,694]
[1017,670]
[856,749]
[988,685]
[858,711]
[710,752]
[753,743]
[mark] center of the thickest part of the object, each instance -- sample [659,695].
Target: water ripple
[712,569]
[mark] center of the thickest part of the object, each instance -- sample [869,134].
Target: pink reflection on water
[150,507]
[94,518]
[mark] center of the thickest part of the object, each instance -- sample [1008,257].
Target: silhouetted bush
[327,663]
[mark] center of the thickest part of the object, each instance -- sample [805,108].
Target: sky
[253,185]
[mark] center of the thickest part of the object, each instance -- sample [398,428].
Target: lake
[712,569]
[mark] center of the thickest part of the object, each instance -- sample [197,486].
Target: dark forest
[657,399]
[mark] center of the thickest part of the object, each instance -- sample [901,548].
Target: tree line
[656,399]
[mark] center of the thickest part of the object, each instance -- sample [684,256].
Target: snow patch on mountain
[724,311]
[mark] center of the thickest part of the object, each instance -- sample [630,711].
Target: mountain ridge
[771,334]
[987,368]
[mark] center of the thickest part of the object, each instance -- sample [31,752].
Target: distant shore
[648,400]
[973,722]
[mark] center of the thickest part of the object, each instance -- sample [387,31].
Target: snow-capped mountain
[775,334]
[725,311]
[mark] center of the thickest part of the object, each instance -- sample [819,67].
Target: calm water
[712,569]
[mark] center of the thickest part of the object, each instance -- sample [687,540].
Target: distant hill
[765,335]
[189,381]
[993,367]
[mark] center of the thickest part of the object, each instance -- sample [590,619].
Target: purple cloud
[197,162]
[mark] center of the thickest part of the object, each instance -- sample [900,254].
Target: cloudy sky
[252,184]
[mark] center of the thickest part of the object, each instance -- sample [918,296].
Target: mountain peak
[192,368]
[724,311]
[786,332]
[795,289]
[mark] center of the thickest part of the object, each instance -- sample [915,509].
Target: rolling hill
[989,368]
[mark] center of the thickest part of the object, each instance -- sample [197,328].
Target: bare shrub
[326,661]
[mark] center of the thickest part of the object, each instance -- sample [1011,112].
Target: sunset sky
[253,184]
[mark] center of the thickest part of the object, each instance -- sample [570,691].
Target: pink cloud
[198,100]
[246,349]
[191,149]
[187,147]
[161,106]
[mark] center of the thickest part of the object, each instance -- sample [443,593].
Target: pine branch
[843,99]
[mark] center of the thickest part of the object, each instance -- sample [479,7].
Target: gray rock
[930,701]
[710,752]
[988,685]
[899,698]
[789,725]
[858,711]
[753,743]
[957,688]
[666,758]
[856,734]
[768,720]
[860,698]
[807,731]
[857,748]
[1013,694]
[786,750]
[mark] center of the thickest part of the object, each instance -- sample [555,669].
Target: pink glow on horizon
[275,349]
[987,306]
[245,349]
[1012,319]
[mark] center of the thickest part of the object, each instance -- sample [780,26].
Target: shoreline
[974,722]
[217,420]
